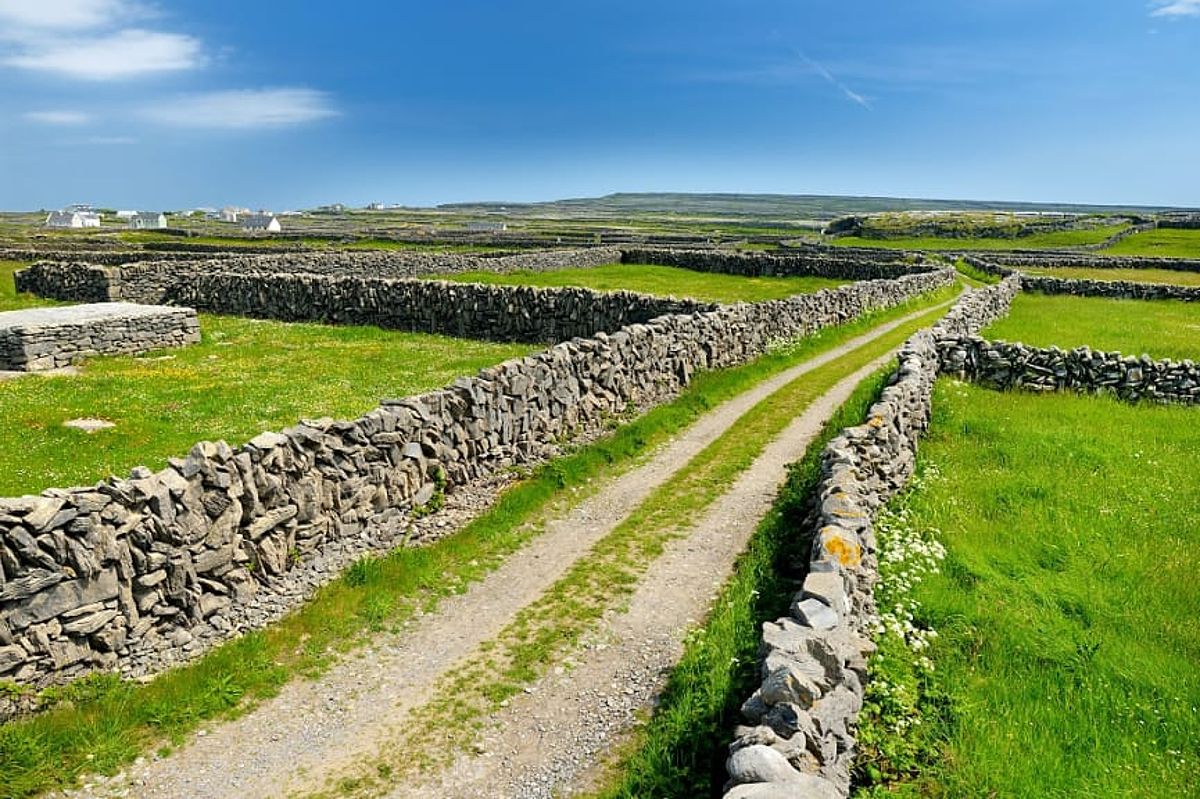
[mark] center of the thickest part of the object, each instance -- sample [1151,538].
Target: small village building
[230,214]
[125,214]
[261,222]
[148,220]
[72,219]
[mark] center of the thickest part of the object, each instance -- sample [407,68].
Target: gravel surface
[316,729]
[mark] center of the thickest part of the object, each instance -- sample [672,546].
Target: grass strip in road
[680,753]
[1161,328]
[660,281]
[101,723]
[1065,660]
[598,582]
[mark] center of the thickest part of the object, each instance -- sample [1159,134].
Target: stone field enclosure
[701,509]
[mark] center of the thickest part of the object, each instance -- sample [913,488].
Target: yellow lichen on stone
[839,546]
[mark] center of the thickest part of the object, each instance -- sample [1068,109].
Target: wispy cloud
[57,117]
[90,40]
[67,14]
[850,94]
[243,109]
[124,54]
[110,140]
[1175,8]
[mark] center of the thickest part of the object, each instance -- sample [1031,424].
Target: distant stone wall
[1051,260]
[469,310]
[49,338]
[160,281]
[819,262]
[136,574]
[799,736]
[1005,365]
[1116,289]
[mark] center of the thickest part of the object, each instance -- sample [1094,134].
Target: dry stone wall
[49,338]
[815,261]
[798,740]
[1116,289]
[135,574]
[498,313]
[1005,365]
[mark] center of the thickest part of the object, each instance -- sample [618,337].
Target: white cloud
[1176,8]
[849,93]
[57,117]
[65,14]
[243,109]
[107,140]
[125,54]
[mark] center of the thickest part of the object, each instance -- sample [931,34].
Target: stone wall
[1116,289]
[159,280]
[49,338]
[1050,260]
[468,310]
[816,261]
[1005,365]
[136,574]
[799,737]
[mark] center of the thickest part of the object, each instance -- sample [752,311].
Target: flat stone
[89,624]
[806,787]
[815,614]
[11,657]
[830,588]
[759,763]
[88,424]
[30,584]
[63,597]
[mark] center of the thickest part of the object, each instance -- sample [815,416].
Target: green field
[1161,242]
[1036,241]
[659,280]
[1169,276]
[245,377]
[1065,662]
[1161,328]
[10,300]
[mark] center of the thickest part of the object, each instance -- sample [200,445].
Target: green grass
[245,377]
[1036,241]
[10,300]
[1066,606]
[1160,242]
[659,280]
[1169,276]
[106,723]
[542,632]
[680,753]
[1162,328]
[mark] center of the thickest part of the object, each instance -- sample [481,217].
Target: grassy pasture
[1036,241]
[659,280]
[1161,328]
[1168,276]
[246,376]
[1066,606]
[1160,242]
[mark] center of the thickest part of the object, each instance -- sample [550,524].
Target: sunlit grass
[659,280]
[245,377]
[1035,241]
[1160,242]
[1066,607]
[1169,276]
[1160,328]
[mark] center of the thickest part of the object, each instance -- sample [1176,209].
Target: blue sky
[136,103]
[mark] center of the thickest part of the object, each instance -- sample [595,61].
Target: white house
[263,222]
[230,214]
[126,214]
[72,219]
[147,220]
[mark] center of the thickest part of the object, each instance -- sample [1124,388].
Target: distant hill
[788,206]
